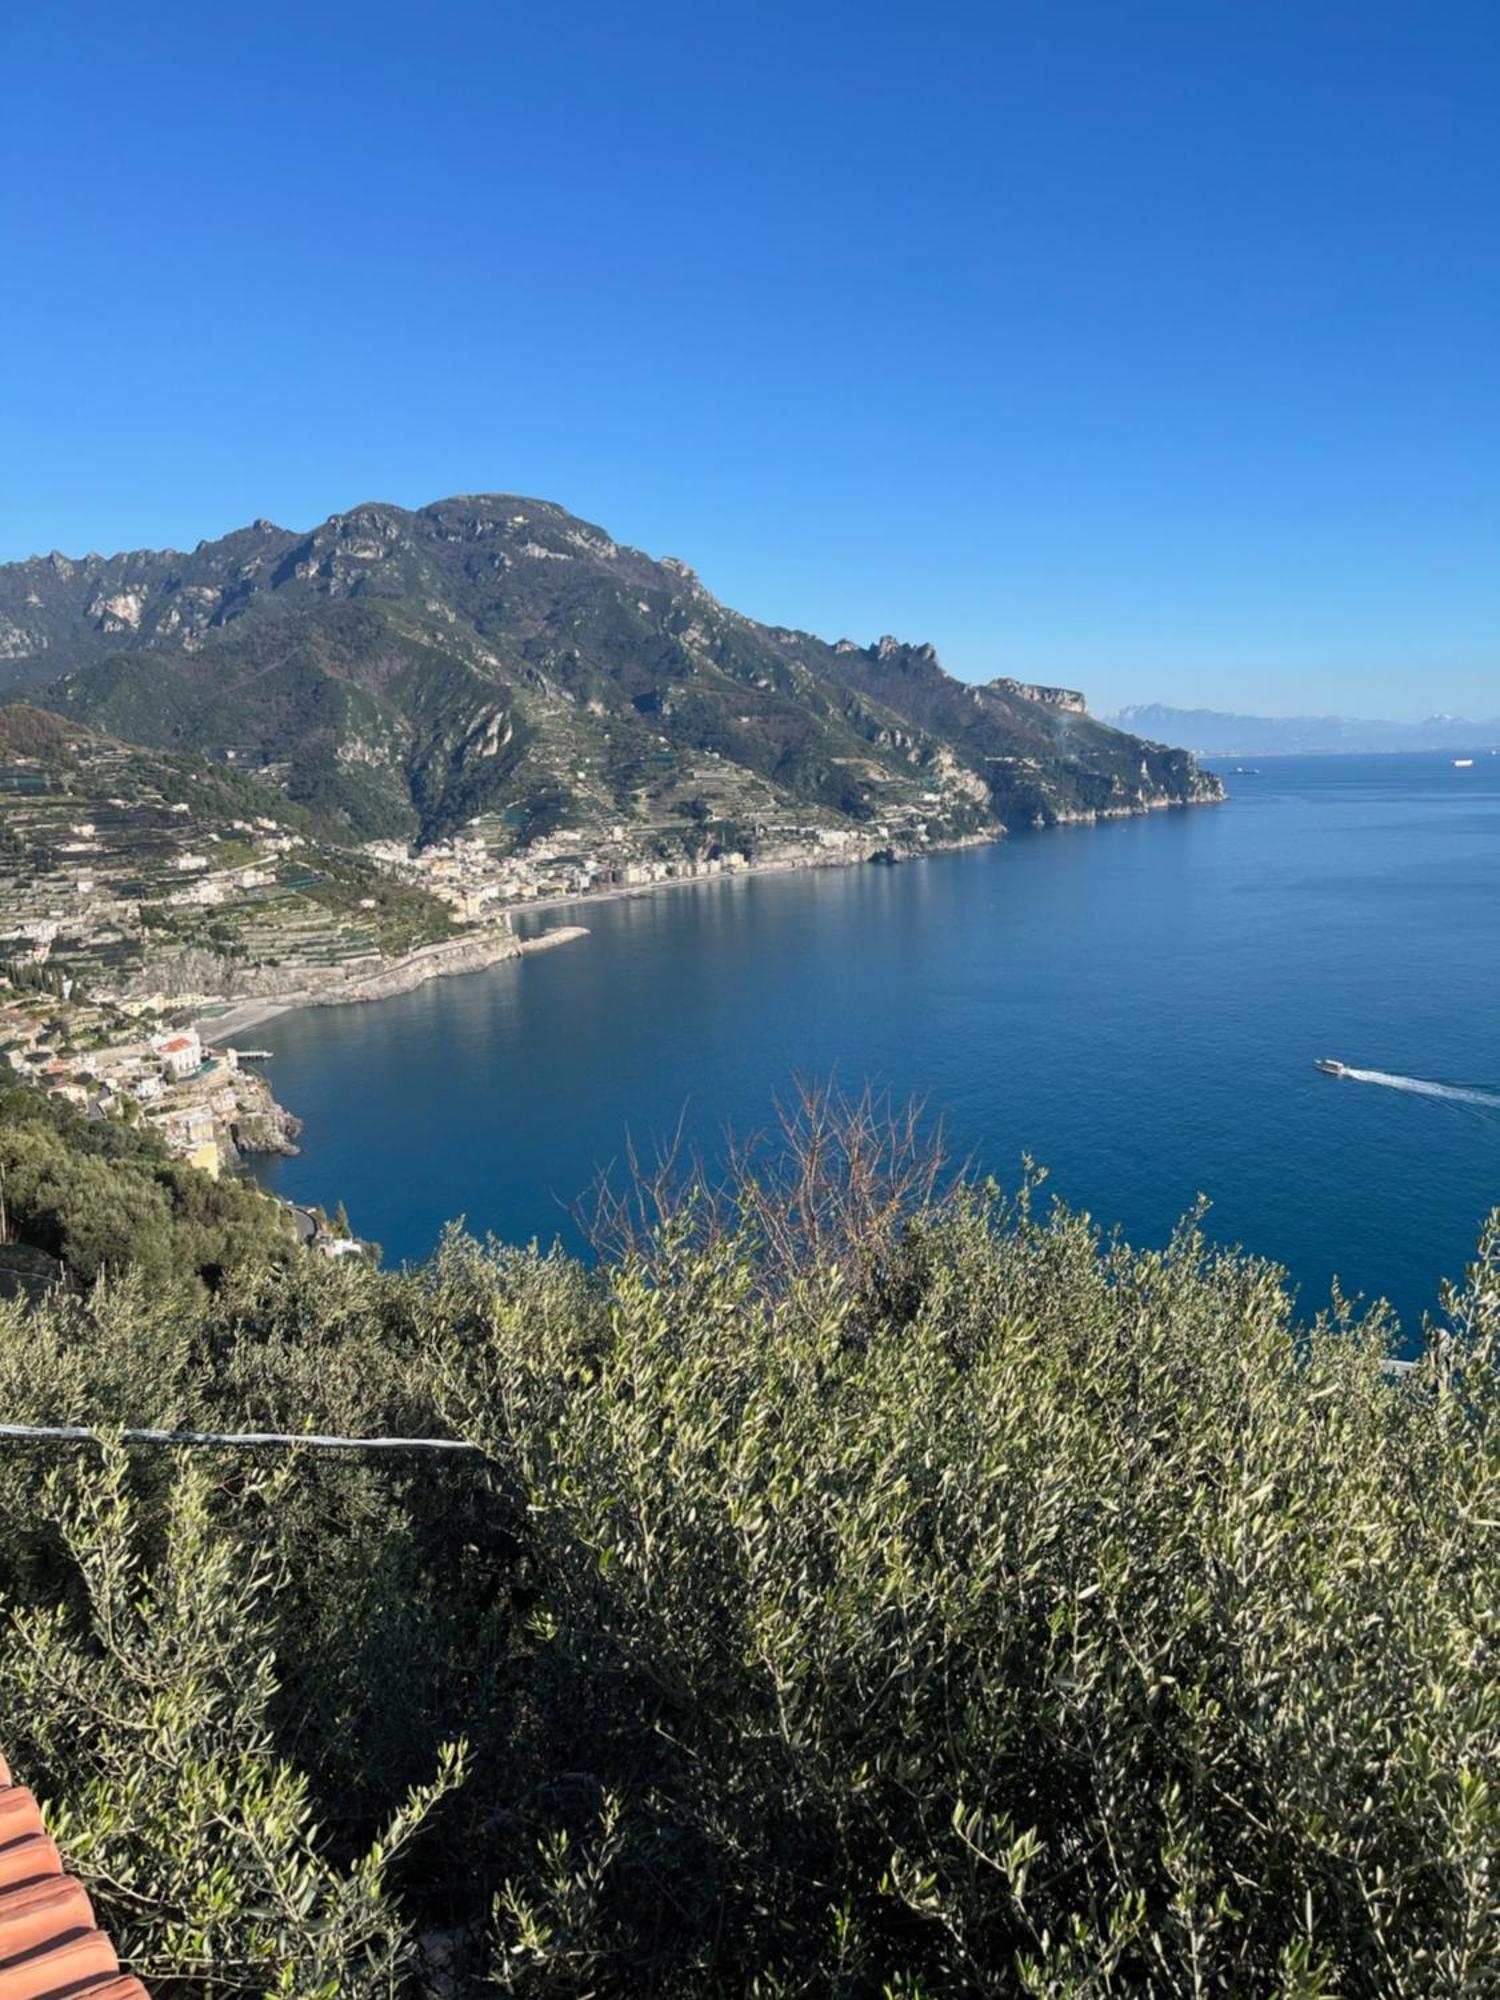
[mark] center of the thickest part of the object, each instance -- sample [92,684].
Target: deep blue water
[1137,1005]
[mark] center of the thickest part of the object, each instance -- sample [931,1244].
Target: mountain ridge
[494,659]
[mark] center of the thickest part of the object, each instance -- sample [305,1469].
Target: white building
[180,1054]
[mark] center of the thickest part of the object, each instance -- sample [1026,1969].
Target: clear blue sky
[1152,348]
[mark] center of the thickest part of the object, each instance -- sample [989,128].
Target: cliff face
[487,945]
[1042,757]
[259,1124]
[494,657]
[1069,700]
[466,954]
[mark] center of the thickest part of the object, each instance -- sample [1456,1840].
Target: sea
[1137,1006]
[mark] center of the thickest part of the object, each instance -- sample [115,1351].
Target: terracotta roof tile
[49,1946]
[66,1965]
[23,1860]
[39,1913]
[19,1813]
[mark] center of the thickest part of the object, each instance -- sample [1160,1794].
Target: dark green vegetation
[850,1599]
[494,656]
[101,1197]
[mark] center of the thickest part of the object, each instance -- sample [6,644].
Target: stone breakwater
[470,953]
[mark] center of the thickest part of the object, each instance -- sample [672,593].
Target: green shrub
[104,1196]
[939,1603]
[146,1701]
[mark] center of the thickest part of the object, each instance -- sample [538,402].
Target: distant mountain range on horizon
[1210,732]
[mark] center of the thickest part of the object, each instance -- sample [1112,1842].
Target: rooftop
[50,1945]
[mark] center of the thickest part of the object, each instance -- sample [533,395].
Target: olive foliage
[980,1607]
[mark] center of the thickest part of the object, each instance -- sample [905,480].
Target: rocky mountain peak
[887,648]
[494,657]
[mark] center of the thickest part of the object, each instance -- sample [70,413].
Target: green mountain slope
[496,658]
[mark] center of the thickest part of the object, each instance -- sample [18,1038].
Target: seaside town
[127,1061]
[150,907]
[475,881]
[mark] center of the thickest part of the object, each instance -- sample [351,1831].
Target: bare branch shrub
[829,1188]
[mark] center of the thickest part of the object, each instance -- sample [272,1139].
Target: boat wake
[1455,1093]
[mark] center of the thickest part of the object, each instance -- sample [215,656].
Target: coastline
[240,1016]
[989,838]
[433,961]
[623,892]
[474,953]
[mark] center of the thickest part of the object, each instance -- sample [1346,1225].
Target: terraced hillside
[120,865]
[495,659]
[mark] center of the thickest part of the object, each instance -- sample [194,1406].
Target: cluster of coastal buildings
[204,1105]
[476,882]
[128,1062]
